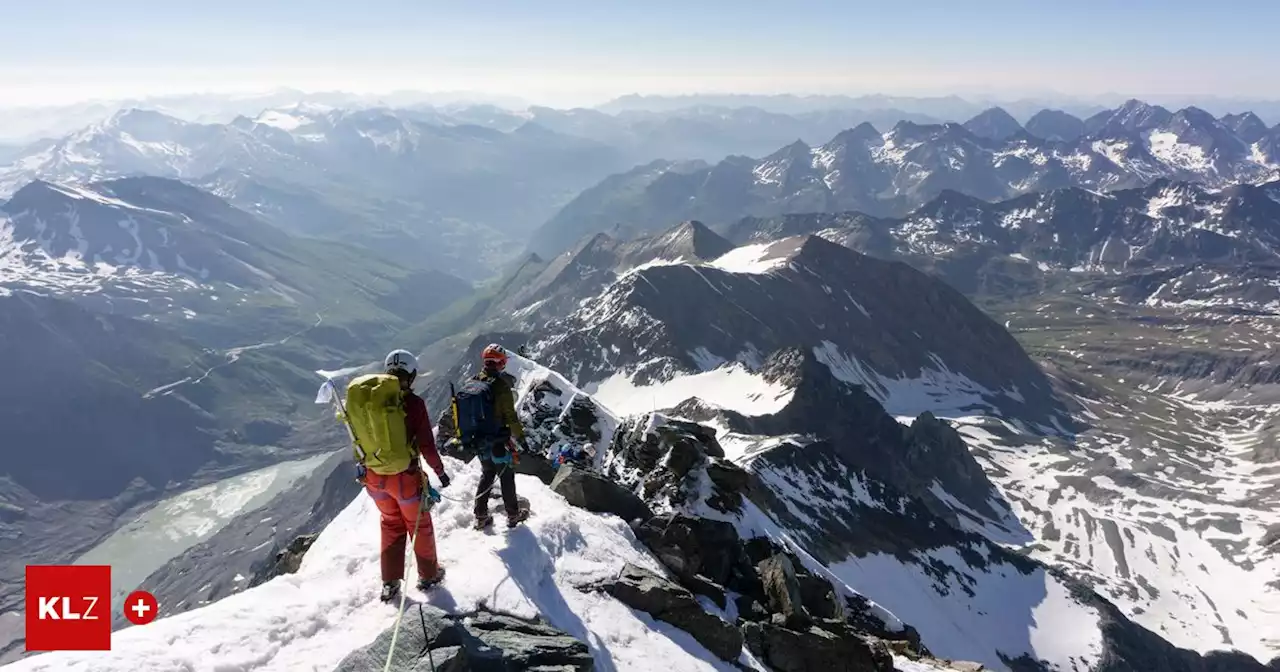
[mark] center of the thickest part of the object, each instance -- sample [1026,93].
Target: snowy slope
[311,620]
[968,598]
[1171,525]
[967,603]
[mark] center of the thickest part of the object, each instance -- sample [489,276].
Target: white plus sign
[141,608]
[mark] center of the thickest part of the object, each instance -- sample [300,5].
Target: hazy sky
[580,51]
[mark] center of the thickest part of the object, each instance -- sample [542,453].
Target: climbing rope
[413,536]
[467,500]
[395,631]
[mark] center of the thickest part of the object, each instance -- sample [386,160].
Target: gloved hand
[499,450]
[361,473]
[444,480]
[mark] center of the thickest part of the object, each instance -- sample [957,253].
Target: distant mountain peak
[1055,125]
[795,150]
[1247,125]
[861,133]
[994,123]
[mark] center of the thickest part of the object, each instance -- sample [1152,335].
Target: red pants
[399,499]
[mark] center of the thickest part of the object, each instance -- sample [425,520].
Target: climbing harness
[395,632]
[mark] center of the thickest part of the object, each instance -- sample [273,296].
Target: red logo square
[68,608]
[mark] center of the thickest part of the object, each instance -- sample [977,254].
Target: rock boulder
[430,639]
[595,493]
[827,647]
[668,601]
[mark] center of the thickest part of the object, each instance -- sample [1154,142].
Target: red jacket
[418,425]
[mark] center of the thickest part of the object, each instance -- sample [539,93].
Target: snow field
[962,612]
[1151,556]
[311,620]
[752,258]
[730,387]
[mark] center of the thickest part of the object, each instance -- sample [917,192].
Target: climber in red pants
[400,494]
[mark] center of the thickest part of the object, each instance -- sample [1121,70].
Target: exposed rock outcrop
[665,459]
[668,601]
[706,555]
[595,493]
[288,560]
[828,646]
[482,640]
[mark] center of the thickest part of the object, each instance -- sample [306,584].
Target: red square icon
[68,608]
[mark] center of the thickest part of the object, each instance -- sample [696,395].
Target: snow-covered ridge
[311,620]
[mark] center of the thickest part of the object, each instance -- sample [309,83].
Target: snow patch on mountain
[941,391]
[283,120]
[966,604]
[1167,147]
[27,265]
[733,387]
[755,258]
[974,617]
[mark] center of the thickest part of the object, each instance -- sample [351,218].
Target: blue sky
[583,51]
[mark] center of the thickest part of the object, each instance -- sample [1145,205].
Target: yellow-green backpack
[376,415]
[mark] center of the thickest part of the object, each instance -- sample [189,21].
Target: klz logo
[68,608]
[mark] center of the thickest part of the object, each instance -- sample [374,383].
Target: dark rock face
[890,320]
[819,597]
[592,492]
[699,550]
[994,124]
[665,459]
[782,589]
[641,589]
[1055,125]
[588,265]
[475,642]
[829,646]
[910,459]
[859,615]
[287,561]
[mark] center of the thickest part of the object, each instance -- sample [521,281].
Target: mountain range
[956,392]
[1012,246]
[789,396]
[396,182]
[180,336]
[889,174]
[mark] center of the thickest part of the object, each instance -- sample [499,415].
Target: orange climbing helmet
[494,357]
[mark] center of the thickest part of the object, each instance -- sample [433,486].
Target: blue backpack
[475,414]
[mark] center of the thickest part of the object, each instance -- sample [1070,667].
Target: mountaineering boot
[390,591]
[518,517]
[426,584]
[482,522]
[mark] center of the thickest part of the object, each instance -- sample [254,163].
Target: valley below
[1168,501]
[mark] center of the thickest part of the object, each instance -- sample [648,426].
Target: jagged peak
[951,199]
[592,243]
[1247,115]
[996,112]
[861,133]
[796,150]
[139,114]
[689,241]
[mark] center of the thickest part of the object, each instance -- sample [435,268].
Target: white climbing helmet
[401,360]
